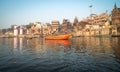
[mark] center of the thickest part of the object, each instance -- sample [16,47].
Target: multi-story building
[100,19]
[75,23]
[97,19]
[35,29]
[116,16]
[40,28]
[55,25]
[66,25]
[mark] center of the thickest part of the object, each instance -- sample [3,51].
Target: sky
[22,12]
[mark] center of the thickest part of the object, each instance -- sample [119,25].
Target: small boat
[58,42]
[58,37]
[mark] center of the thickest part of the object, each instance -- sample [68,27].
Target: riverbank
[37,36]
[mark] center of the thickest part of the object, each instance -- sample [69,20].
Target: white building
[21,30]
[15,30]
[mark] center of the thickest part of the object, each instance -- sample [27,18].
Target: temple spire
[75,21]
[115,6]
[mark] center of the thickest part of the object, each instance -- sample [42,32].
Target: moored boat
[56,42]
[58,37]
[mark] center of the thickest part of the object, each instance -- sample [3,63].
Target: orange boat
[58,42]
[58,37]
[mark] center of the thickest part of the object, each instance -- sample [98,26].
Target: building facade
[115,16]
[75,23]
[66,24]
[97,19]
[101,19]
[55,25]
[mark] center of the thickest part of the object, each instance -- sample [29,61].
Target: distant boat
[58,37]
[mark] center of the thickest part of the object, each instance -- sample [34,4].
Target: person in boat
[54,32]
[65,32]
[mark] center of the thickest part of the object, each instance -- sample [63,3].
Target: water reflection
[102,45]
[15,42]
[21,43]
[58,42]
[116,47]
[89,45]
[74,55]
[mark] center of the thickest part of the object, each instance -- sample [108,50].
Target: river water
[80,54]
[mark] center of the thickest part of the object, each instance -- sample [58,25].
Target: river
[79,54]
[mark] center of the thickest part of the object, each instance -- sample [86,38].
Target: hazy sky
[21,12]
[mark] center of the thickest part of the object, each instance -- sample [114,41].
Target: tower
[75,21]
[116,15]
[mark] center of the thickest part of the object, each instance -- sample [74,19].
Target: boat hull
[59,37]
